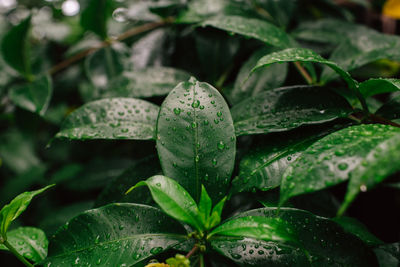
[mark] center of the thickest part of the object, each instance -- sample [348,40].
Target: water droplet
[197,158]
[343,166]
[214,161]
[221,145]
[363,188]
[219,113]
[196,104]
[156,250]
[194,125]
[177,111]
[236,256]
[158,184]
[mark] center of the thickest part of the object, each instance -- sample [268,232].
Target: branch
[194,249]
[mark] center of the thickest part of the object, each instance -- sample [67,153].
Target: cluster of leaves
[298,100]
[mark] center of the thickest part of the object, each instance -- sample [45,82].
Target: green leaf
[259,81]
[33,96]
[196,141]
[322,241]
[205,205]
[16,49]
[94,18]
[114,235]
[174,200]
[304,55]
[388,255]
[365,154]
[149,82]
[391,109]
[30,242]
[114,118]
[358,229]
[373,87]
[252,28]
[18,205]
[286,108]
[216,212]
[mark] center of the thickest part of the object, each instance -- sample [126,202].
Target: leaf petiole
[16,254]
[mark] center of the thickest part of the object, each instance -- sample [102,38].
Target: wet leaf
[363,154]
[286,108]
[33,96]
[94,18]
[114,118]
[205,205]
[174,200]
[388,254]
[30,242]
[114,235]
[373,87]
[196,142]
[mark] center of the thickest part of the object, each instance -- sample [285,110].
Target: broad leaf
[114,118]
[286,108]
[365,154]
[16,49]
[94,17]
[304,55]
[29,242]
[261,80]
[391,109]
[196,141]
[114,235]
[174,200]
[33,96]
[253,28]
[379,86]
[149,82]
[18,205]
[317,240]
[388,255]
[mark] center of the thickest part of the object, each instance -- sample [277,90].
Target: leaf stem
[303,72]
[16,254]
[193,251]
[129,33]
[379,119]
[201,263]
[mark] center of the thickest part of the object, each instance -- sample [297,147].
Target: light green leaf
[114,118]
[373,87]
[205,205]
[196,142]
[30,242]
[33,96]
[18,205]
[114,235]
[174,200]
[286,108]
[216,213]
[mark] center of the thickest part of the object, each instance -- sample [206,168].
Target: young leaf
[365,154]
[216,212]
[174,200]
[205,205]
[114,118]
[196,141]
[114,235]
[286,108]
[16,49]
[12,210]
[253,28]
[373,87]
[94,18]
[30,242]
[33,96]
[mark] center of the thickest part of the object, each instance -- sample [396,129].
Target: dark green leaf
[114,235]
[114,118]
[365,154]
[279,12]
[174,200]
[33,96]
[196,142]
[94,18]
[304,55]
[391,109]
[29,242]
[16,49]
[259,81]
[18,205]
[322,241]
[253,28]
[379,86]
[286,108]
[358,229]
[388,255]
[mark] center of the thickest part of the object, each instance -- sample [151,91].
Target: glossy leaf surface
[16,49]
[253,28]
[114,118]
[286,108]
[94,17]
[173,199]
[196,141]
[352,153]
[114,235]
[30,242]
[388,254]
[205,205]
[33,96]
[320,242]
[379,86]
[18,205]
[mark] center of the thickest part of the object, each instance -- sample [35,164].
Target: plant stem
[194,249]
[201,263]
[16,254]
[379,119]
[303,72]
[129,33]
